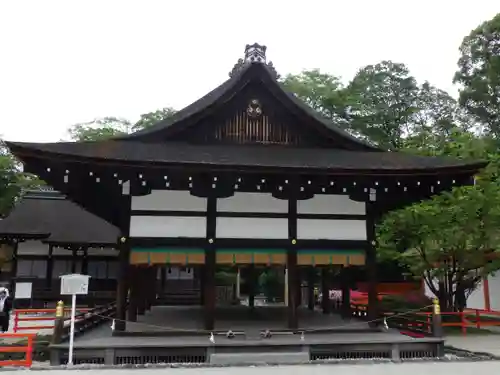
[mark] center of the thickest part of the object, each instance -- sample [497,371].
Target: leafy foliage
[323,92]
[149,119]
[12,181]
[383,100]
[452,237]
[100,128]
[109,127]
[479,75]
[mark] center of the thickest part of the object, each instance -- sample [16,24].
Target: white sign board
[75,284]
[23,290]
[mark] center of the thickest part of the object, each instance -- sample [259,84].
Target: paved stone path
[441,368]
[477,343]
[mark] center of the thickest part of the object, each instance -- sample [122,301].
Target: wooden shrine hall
[246,175]
[46,236]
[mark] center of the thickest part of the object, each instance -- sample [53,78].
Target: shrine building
[248,175]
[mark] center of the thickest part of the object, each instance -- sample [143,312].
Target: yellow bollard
[60,309]
[58,323]
[437,326]
[437,308]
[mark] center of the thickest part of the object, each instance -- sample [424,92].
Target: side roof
[54,219]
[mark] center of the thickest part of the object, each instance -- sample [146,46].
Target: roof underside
[244,157]
[54,219]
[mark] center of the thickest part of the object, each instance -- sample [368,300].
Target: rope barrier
[350,324]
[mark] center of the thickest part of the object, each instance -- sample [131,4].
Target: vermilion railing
[422,320]
[23,344]
[47,316]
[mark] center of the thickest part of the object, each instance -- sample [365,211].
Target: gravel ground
[443,368]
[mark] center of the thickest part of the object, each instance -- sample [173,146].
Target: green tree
[383,103]
[109,127]
[452,239]
[99,129]
[149,119]
[323,92]
[12,181]
[479,74]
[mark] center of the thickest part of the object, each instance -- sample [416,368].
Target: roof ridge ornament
[254,54]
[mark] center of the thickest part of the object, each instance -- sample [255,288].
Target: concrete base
[258,358]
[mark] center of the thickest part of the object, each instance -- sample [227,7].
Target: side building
[46,236]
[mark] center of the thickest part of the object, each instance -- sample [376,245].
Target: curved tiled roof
[54,219]
[246,157]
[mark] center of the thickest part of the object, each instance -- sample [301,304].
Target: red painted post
[478,319]
[464,323]
[16,320]
[29,351]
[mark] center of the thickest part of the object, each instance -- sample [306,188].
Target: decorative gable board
[253,116]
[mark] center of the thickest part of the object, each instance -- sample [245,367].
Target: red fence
[23,343]
[45,316]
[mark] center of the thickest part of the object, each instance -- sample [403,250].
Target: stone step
[249,358]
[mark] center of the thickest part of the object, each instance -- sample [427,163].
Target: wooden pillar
[163,279]
[210,264]
[238,284]
[152,273]
[325,290]
[123,246]
[142,284]
[122,282]
[74,256]
[50,267]
[202,285]
[371,262]
[311,276]
[85,261]
[345,287]
[298,289]
[293,320]
[134,294]
[286,287]
[292,268]
[15,247]
[251,281]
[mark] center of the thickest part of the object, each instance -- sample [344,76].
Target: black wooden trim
[246,243]
[85,262]
[14,265]
[292,218]
[261,215]
[81,245]
[50,266]
[211,216]
[91,258]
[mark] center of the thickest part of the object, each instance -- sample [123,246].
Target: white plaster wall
[169,200]
[494,286]
[476,298]
[331,204]
[252,202]
[167,226]
[312,229]
[179,273]
[32,248]
[231,227]
[427,290]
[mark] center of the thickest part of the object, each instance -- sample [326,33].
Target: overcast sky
[68,61]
